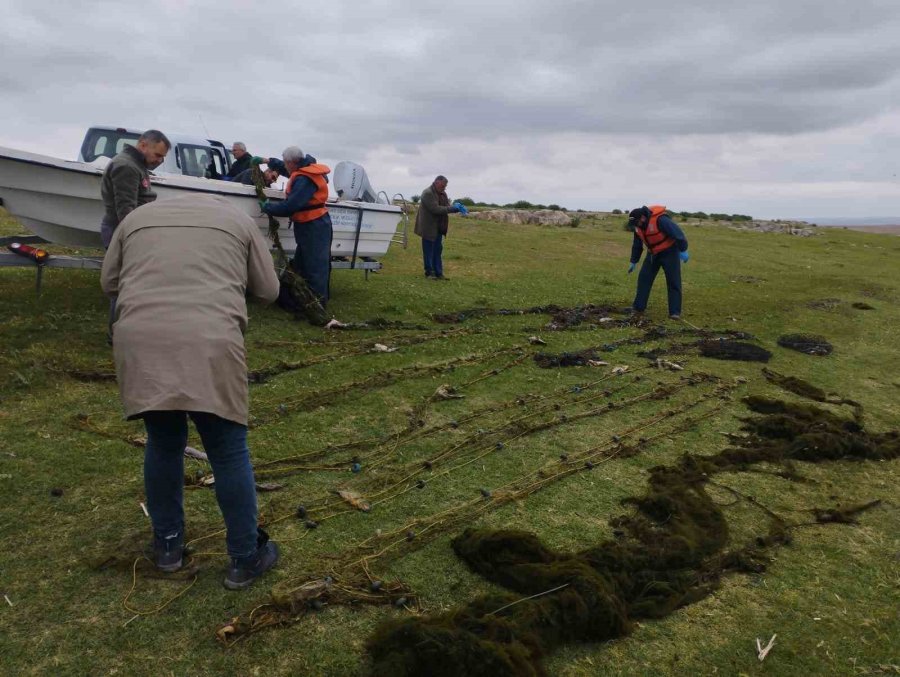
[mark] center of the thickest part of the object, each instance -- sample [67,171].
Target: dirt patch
[825,304]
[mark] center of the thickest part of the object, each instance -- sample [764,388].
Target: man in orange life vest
[306,191]
[667,249]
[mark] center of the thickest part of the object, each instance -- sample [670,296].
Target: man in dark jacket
[666,249]
[306,192]
[241,161]
[126,180]
[125,186]
[432,223]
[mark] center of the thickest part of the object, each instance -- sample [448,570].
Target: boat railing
[401,237]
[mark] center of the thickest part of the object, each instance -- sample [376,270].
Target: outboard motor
[351,183]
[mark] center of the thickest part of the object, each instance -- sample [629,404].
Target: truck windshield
[106,143]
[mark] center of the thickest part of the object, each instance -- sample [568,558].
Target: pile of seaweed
[733,350]
[671,551]
[811,344]
[581,358]
[717,345]
[562,317]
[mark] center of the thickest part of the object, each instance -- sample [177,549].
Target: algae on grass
[581,358]
[810,344]
[733,350]
[672,551]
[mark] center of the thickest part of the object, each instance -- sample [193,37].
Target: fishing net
[671,551]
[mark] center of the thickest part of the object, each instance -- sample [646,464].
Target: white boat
[59,200]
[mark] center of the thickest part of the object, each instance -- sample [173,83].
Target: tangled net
[672,551]
[810,344]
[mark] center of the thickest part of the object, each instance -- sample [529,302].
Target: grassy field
[71,494]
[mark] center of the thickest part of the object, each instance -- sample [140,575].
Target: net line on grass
[672,551]
[352,570]
[311,591]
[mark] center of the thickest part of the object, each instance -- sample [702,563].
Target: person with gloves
[432,223]
[666,248]
[306,192]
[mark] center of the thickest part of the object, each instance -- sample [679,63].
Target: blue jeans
[225,443]
[669,261]
[312,260]
[431,254]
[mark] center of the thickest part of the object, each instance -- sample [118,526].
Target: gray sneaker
[244,570]
[168,552]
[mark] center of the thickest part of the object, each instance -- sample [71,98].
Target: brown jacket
[432,216]
[125,185]
[180,269]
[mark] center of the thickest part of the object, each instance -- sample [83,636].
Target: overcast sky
[774,108]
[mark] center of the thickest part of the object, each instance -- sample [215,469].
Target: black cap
[635,214]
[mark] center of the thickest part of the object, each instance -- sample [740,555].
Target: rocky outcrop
[800,228]
[545,217]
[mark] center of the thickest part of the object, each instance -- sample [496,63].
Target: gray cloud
[487,90]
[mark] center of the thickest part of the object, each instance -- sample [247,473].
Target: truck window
[200,160]
[105,143]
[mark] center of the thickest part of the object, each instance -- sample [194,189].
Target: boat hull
[59,200]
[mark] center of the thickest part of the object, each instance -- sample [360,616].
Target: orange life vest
[655,240]
[315,208]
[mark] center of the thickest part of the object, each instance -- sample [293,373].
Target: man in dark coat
[241,161]
[125,186]
[432,223]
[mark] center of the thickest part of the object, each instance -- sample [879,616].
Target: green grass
[832,596]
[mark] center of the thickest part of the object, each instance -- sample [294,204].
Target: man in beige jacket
[180,269]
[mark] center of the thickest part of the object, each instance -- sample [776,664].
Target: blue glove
[453,210]
[461,208]
[684,256]
[630,267]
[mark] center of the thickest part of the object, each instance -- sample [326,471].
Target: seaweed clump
[733,350]
[810,344]
[671,551]
[582,358]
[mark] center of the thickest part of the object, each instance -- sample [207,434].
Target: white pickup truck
[190,156]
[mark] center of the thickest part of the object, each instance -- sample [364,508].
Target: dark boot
[168,552]
[244,570]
